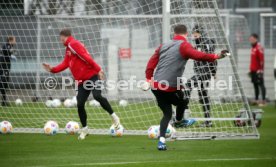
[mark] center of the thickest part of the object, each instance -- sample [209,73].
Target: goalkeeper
[203,70]
[88,75]
[164,69]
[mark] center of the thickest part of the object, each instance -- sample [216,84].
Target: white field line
[146,162]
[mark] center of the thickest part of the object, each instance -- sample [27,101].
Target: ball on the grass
[56,103]
[68,103]
[18,102]
[5,127]
[117,132]
[170,131]
[94,103]
[49,103]
[74,100]
[72,128]
[153,132]
[123,103]
[51,128]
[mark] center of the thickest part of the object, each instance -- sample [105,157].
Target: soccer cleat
[83,133]
[161,146]
[184,123]
[116,122]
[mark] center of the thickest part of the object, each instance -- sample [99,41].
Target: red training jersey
[257,58]
[79,61]
[187,52]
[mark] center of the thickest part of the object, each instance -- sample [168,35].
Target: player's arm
[211,47]
[61,67]
[152,63]
[188,52]
[260,55]
[79,49]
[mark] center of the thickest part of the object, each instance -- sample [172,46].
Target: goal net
[121,36]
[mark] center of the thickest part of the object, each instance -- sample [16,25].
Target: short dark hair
[198,29]
[65,32]
[180,29]
[256,36]
[10,38]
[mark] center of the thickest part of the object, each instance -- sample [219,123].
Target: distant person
[257,69]
[5,67]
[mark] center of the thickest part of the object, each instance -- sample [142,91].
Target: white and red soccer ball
[5,127]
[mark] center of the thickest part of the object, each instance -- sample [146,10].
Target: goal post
[134,27]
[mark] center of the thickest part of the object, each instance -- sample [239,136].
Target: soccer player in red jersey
[84,70]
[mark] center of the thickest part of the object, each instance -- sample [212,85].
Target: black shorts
[257,78]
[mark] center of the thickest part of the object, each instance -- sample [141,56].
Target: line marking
[143,162]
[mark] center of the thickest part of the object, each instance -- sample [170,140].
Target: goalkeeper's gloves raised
[146,85]
[223,54]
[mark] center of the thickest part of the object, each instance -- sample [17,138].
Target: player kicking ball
[88,75]
[164,69]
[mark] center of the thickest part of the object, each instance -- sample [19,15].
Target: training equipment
[153,132]
[121,36]
[68,103]
[94,103]
[72,128]
[49,103]
[56,103]
[116,132]
[5,127]
[51,128]
[18,102]
[74,101]
[123,103]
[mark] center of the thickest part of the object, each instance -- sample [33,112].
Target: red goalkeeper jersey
[79,61]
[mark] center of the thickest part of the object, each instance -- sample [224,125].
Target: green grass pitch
[30,150]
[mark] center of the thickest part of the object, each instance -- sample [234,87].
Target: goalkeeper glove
[223,54]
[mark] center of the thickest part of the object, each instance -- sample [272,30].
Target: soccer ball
[153,132]
[117,132]
[5,127]
[74,101]
[51,128]
[68,103]
[18,102]
[56,103]
[94,103]
[170,131]
[49,103]
[123,103]
[72,128]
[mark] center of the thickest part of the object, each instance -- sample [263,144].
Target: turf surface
[64,150]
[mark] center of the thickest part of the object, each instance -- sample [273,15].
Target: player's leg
[181,103]
[97,94]
[205,102]
[3,88]
[254,80]
[81,99]
[263,90]
[164,104]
